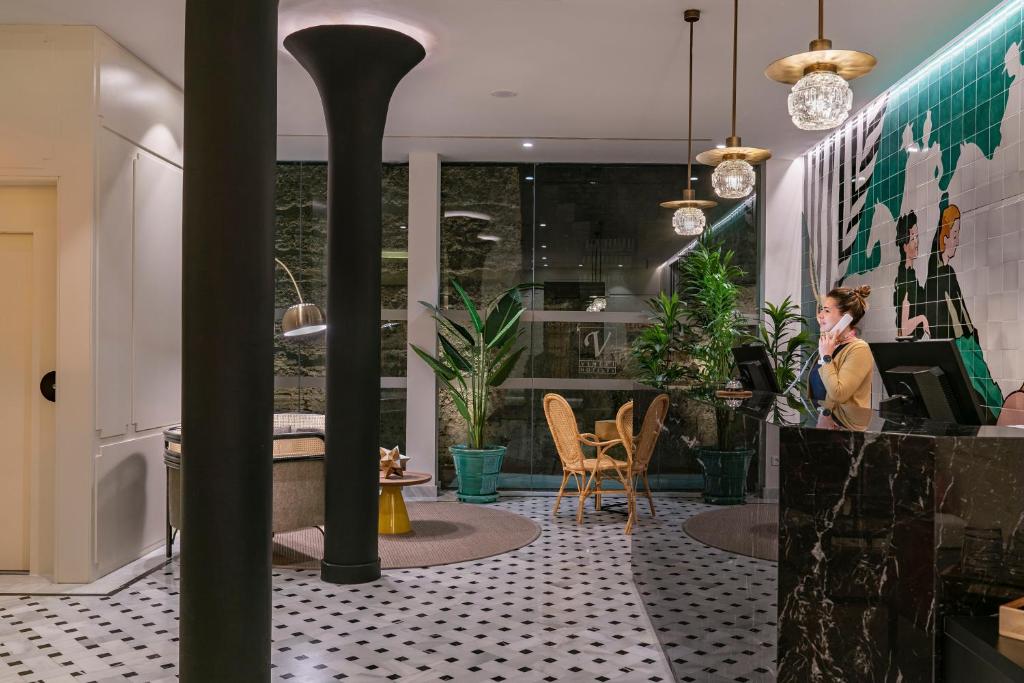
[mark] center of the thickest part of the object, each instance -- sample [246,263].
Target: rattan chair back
[650,430]
[564,431]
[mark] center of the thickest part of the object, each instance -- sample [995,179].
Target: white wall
[783,180]
[78,108]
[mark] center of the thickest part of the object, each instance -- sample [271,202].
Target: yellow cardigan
[848,377]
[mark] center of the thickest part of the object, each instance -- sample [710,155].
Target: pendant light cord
[689,119]
[735,38]
[821,19]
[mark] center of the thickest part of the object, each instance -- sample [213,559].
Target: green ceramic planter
[725,475]
[477,470]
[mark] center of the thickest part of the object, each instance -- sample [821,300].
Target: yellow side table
[392,516]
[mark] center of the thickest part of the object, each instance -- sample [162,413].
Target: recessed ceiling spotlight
[543,258]
[543,246]
[719,146]
[403,227]
[504,93]
[527,144]
[486,237]
[620,265]
[543,225]
[579,265]
[529,177]
[693,177]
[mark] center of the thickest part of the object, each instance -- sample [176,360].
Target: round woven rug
[751,530]
[442,533]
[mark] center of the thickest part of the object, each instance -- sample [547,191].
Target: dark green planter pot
[477,470]
[725,475]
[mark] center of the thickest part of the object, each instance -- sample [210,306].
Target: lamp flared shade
[302,320]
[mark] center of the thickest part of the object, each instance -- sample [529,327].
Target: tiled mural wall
[921,196]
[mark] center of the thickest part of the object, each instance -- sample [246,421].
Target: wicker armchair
[298,451]
[640,449]
[586,472]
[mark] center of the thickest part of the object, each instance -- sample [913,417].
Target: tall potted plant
[472,361]
[655,352]
[710,293]
[784,337]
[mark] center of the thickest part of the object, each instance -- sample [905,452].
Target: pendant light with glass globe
[734,176]
[821,97]
[689,219]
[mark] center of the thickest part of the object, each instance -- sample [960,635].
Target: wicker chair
[298,451]
[640,449]
[586,472]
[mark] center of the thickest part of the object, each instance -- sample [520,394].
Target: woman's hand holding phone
[830,339]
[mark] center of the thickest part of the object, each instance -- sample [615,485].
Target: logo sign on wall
[599,350]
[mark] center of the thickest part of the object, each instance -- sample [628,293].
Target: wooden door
[27,353]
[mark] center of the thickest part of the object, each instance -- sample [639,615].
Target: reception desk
[886,526]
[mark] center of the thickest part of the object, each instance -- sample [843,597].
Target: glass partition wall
[300,242]
[592,235]
[595,237]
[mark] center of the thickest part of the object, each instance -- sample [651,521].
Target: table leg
[392,516]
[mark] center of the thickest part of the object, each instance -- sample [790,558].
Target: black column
[356,70]
[228,322]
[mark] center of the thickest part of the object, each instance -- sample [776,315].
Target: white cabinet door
[156,294]
[116,164]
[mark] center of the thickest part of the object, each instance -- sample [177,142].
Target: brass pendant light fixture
[689,219]
[821,97]
[734,176]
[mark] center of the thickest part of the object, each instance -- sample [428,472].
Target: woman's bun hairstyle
[852,300]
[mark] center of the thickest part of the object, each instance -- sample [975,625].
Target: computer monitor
[756,371]
[928,379]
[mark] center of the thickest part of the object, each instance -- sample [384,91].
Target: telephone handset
[838,329]
[841,326]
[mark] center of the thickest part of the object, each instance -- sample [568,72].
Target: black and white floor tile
[564,608]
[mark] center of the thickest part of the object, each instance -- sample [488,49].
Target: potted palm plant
[655,352]
[472,361]
[710,293]
[784,338]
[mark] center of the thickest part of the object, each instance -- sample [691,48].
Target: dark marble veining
[886,526]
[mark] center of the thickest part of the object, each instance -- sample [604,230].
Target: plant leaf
[453,355]
[474,316]
[442,318]
[502,372]
[441,370]
[507,329]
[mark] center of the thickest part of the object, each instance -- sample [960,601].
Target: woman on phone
[845,364]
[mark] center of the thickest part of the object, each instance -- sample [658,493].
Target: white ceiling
[598,80]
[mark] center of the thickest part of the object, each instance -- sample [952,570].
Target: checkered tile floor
[562,609]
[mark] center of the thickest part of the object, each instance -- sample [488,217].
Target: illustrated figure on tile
[947,313]
[908,296]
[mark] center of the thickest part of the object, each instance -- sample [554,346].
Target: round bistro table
[392,517]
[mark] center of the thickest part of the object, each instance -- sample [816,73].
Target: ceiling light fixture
[689,219]
[821,97]
[734,176]
[527,144]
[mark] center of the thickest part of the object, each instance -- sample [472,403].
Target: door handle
[48,386]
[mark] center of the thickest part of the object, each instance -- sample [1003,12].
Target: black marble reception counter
[886,526]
